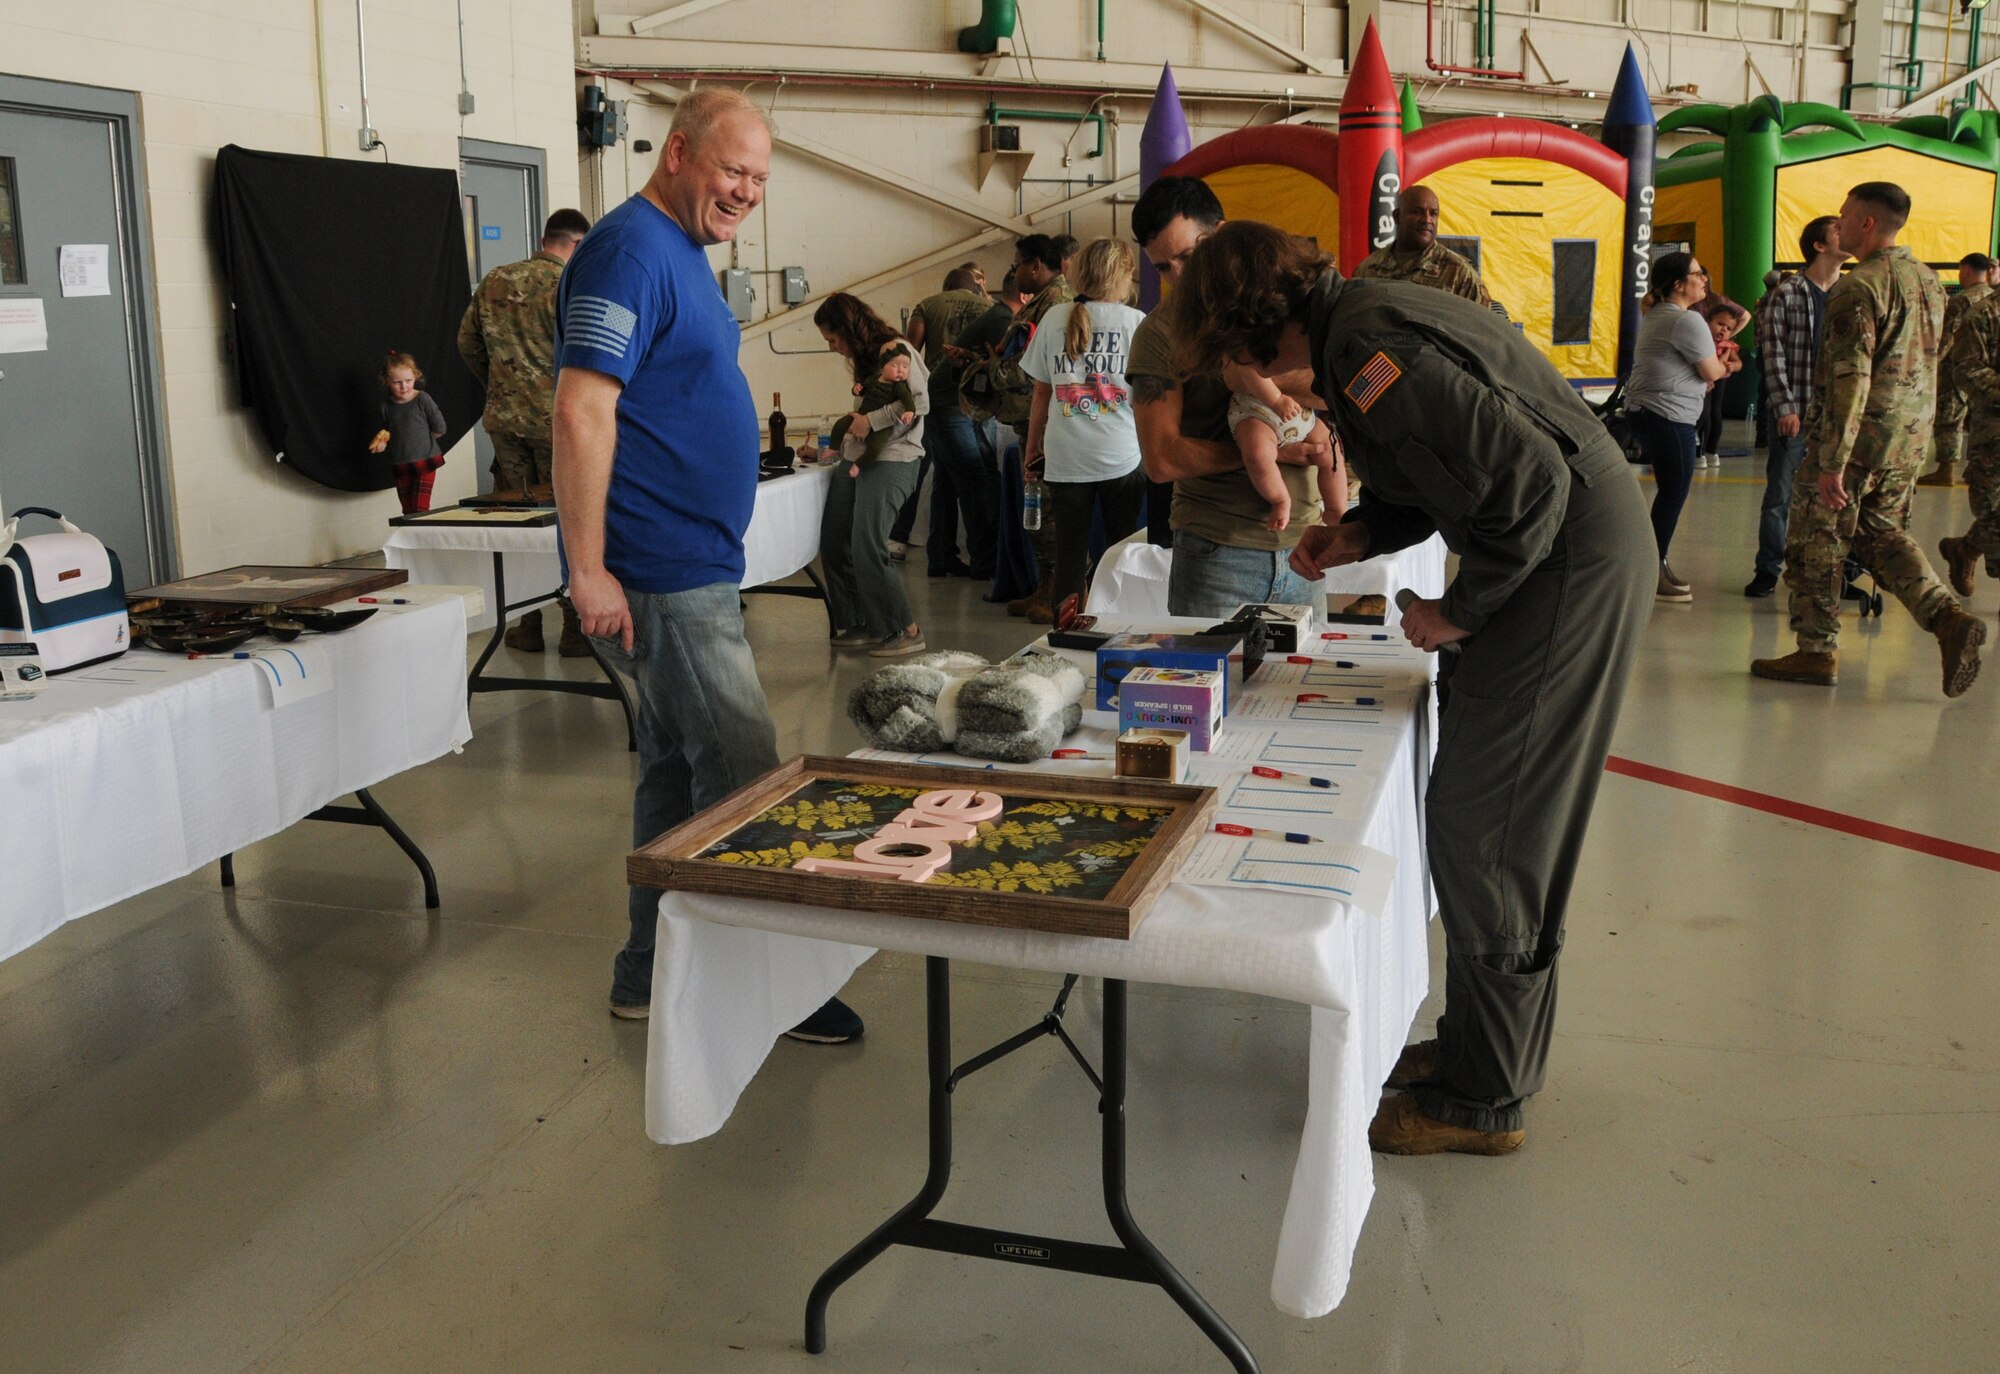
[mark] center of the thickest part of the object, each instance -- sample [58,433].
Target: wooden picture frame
[675,861]
[522,517]
[266,584]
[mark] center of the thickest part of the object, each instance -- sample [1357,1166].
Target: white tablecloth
[1131,581]
[783,537]
[125,776]
[731,974]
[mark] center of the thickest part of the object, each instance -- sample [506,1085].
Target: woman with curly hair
[864,595]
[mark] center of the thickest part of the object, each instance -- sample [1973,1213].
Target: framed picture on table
[1029,851]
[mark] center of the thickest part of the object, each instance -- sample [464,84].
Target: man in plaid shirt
[1789,319]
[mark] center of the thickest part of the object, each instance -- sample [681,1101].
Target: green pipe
[1100,30]
[994,114]
[997,19]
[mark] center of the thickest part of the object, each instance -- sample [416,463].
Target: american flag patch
[594,322]
[1376,376]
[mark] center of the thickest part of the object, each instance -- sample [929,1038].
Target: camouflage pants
[520,463]
[1948,429]
[1982,480]
[1873,529]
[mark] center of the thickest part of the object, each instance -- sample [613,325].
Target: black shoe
[952,570]
[833,1024]
[1763,584]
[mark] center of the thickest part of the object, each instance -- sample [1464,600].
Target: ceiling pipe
[369,141]
[1430,50]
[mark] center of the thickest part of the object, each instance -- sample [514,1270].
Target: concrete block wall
[214,72]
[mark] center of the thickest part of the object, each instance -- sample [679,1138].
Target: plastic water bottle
[1031,505]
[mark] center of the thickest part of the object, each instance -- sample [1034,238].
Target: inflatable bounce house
[1739,201]
[1558,224]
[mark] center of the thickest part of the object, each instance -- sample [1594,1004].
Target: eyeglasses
[1698,272]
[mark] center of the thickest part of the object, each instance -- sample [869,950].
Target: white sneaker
[898,550]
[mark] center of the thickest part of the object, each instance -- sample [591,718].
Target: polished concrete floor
[308,1127]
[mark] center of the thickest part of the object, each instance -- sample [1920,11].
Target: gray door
[503,212]
[69,417]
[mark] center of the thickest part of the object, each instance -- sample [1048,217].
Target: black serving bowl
[329,622]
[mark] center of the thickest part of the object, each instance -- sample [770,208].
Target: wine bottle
[777,422]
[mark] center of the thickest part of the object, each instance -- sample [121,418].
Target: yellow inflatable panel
[1692,213]
[1281,196]
[1520,209]
[1951,205]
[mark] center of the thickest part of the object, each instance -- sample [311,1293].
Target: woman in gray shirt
[1673,367]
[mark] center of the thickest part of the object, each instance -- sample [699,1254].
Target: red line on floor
[1812,815]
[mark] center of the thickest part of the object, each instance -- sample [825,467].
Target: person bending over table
[1224,554]
[1466,431]
[656,449]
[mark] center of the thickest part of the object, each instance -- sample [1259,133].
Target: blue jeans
[704,731]
[1781,471]
[1211,580]
[1669,446]
[965,485]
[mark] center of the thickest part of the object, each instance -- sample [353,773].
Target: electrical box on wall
[737,290]
[601,122]
[794,285]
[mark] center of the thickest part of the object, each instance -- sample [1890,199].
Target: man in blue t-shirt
[656,448]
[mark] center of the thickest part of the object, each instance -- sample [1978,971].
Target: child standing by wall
[412,429]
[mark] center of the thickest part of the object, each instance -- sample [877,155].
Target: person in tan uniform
[1417,256]
[508,340]
[1975,284]
[1878,394]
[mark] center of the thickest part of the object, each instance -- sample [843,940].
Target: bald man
[1416,256]
[656,450]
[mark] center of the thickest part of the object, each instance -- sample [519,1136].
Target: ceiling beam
[1229,18]
[687,9]
[1946,88]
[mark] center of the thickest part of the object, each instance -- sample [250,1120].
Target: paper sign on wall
[24,326]
[85,269]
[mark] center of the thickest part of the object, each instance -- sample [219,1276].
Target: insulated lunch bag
[65,593]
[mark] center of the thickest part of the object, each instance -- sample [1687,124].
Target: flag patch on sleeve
[1376,376]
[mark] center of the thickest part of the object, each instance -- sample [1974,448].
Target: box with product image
[1195,653]
[1173,699]
[1291,627]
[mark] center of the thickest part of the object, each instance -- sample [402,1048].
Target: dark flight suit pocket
[1477,776]
[1447,498]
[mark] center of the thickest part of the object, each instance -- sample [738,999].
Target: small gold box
[1149,752]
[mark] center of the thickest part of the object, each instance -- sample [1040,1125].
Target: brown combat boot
[1961,565]
[1959,636]
[1820,670]
[525,634]
[1939,476]
[1418,1061]
[1400,1128]
[572,644]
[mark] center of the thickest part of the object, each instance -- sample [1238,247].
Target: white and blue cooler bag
[65,593]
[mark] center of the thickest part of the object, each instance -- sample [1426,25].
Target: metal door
[70,414]
[502,188]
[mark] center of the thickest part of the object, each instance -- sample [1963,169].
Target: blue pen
[238,654]
[1266,772]
[1325,700]
[384,601]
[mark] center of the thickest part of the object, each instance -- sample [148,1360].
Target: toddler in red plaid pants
[412,429]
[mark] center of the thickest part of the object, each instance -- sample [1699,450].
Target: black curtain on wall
[331,264]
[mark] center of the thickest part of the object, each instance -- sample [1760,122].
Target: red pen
[1253,833]
[1330,634]
[1263,772]
[1076,754]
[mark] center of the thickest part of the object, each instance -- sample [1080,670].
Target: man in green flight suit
[1466,431]
[1877,384]
[508,340]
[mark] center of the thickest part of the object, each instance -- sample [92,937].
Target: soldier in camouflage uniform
[508,339]
[1877,386]
[1974,285]
[1417,256]
[1974,363]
